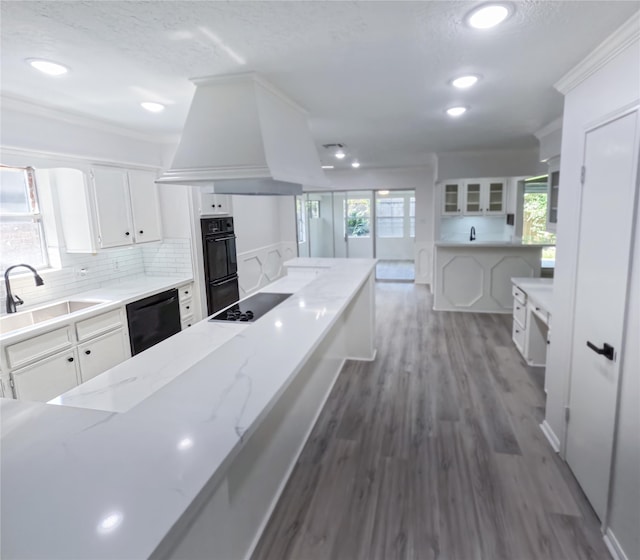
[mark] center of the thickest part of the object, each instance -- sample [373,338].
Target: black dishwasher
[153,319]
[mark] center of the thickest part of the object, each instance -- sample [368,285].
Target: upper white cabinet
[145,206]
[485,197]
[553,190]
[214,204]
[127,206]
[451,199]
[115,208]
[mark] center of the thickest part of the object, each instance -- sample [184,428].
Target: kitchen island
[476,276]
[193,469]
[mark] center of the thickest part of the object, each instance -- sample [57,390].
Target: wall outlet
[81,272]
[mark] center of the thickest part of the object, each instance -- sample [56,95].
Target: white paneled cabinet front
[484,197]
[48,378]
[127,206]
[102,353]
[145,206]
[113,209]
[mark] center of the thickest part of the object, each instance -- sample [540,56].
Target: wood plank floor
[432,451]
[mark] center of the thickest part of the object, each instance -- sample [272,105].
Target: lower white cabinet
[102,353]
[48,378]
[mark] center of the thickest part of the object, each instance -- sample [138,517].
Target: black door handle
[607,350]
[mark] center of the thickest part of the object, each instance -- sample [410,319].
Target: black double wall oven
[220,263]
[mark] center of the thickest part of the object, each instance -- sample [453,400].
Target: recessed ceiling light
[152,107]
[48,67]
[340,154]
[456,111]
[327,167]
[488,16]
[383,192]
[464,82]
[355,164]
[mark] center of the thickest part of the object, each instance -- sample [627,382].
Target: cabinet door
[495,199]
[473,198]
[553,191]
[213,204]
[145,206]
[102,353]
[451,199]
[111,193]
[48,378]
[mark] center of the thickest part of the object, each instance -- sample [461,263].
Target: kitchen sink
[17,321]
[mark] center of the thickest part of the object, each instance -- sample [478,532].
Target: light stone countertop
[81,483]
[110,295]
[491,244]
[539,291]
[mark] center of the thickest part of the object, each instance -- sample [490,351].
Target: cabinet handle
[219,205]
[87,352]
[518,308]
[141,232]
[537,309]
[188,307]
[69,359]
[517,331]
[213,206]
[186,293]
[127,233]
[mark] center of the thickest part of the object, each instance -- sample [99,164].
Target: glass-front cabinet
[553,188]
[484,197]
[495,192]
[451,199]
[473,198]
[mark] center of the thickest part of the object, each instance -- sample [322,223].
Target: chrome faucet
[472,235]
[14,301]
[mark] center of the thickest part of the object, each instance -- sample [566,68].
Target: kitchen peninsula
[198,464]
[476,276]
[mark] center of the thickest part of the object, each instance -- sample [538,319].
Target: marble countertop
[110,296]
[492,244]
[81,483]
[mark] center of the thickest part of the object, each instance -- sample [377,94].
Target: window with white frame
[412,216]
[21,227]
[390,216]
[301,219]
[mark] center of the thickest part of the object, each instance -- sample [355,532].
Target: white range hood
[244,136]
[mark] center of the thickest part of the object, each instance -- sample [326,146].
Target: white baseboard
[614,546]
[552,438]
[372,358]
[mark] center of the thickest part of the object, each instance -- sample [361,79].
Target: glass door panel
[320,221]
[472,198]
[359,224]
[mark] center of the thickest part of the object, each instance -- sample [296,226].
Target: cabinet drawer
[186,309]
[38,347]
[186,322]
[186,292]
[99,324]
[519,335]
[519,295]
[520,313]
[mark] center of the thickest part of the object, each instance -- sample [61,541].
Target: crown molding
[619,40]
[9,102]
[549,128]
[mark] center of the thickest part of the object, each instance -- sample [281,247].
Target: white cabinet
[485,197]
[113,210]
[102,353]
[48,378]
[127,206]
[451,199]
[214,204]
[116,208]
[145,206]
[553,190]
[186,305]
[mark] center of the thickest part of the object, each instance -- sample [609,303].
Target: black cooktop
[252,308]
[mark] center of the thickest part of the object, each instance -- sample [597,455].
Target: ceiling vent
[244,136]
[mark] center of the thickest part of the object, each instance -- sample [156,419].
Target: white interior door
[360,228]
[606,225]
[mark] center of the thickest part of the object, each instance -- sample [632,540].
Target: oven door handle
[160,303]
[225,281]
[223,238]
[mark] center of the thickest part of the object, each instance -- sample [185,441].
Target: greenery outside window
[21,226]
[534,221]
[358,217]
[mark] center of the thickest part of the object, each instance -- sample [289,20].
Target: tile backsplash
[488,228]
[80,273]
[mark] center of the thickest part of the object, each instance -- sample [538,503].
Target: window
[21,226]
[358,217]
[390,217]
[314,208]
[301,216]
[412,216]
[534,220]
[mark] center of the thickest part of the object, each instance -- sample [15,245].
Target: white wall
[613,86]
[494,163]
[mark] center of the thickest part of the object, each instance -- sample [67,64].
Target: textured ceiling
[372,74]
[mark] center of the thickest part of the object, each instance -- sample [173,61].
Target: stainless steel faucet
[14,301]
[472,235]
